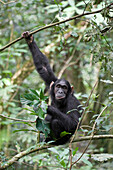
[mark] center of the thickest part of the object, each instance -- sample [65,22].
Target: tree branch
[7,2]
[29,121]
[57,23]
[72,138]
[32,150]
[91,137]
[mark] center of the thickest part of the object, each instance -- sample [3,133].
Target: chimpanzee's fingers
[25,34]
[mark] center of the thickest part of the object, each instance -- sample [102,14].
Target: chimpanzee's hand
[29,38]
[48,118]
[52,110]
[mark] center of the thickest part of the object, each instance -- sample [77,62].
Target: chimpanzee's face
[60,90]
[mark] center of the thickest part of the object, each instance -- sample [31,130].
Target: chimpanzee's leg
[57,127]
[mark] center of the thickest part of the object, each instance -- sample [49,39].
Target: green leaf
[43,126]
[40,113]
[52,8]
[87,162]
[18,5]
[74,34]
[82,3]
[64,133]
[71,2]
[6,81]
[24,130]
[41,94]
[74,152]
[30,97]
[107,81]
[7,72]
[63,163]
[71,111]
[1,84]
[26,102]
[64,153]
[111,93]
[34,92]
[102,157]
[54,150]
[44,106]
[22,50]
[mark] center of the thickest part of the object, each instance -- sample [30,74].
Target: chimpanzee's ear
[51,84]
[72,89]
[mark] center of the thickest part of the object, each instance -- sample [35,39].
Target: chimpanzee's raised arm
[40,60]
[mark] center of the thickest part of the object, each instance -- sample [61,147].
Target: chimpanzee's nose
[60,91]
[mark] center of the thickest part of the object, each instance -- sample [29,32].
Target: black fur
[64,114]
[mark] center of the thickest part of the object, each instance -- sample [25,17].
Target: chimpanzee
[65,110]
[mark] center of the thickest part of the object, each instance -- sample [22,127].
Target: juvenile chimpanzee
[64,112]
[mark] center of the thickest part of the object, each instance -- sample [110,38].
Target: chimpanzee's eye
[58,86]
[65,87]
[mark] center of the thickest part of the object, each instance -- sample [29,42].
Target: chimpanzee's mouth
[60,97]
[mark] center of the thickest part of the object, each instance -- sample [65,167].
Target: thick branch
[27,152]
[94,137]
[22,154]
[57,23]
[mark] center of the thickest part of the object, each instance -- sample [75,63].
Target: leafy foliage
[37,100]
